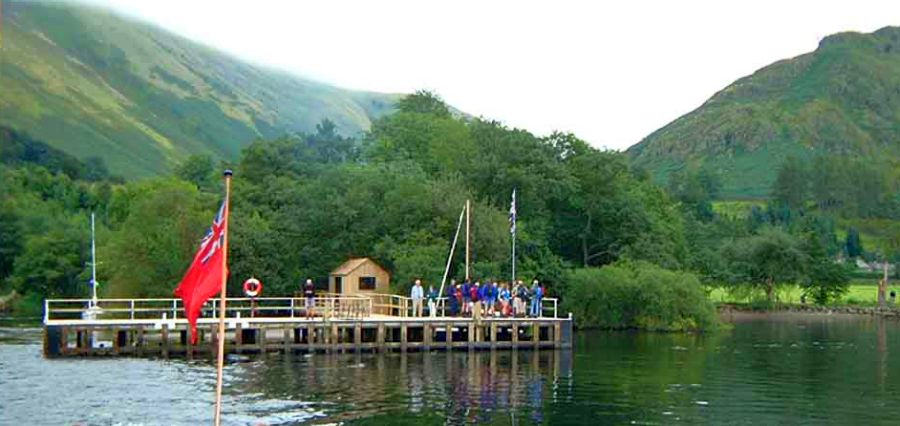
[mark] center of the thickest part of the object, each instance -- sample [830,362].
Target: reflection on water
[459,386]
[775,369]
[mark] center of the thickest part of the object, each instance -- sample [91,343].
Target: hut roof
[350,265]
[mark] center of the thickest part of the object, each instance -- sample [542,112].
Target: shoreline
[889,312]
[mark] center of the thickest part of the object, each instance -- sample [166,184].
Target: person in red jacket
[476,300]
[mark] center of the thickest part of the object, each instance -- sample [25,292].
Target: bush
[638,295]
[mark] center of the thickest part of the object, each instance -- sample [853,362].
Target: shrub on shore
[638,295]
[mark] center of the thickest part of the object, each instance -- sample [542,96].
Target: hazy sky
[611,72]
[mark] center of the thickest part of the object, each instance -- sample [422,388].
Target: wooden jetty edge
[373,323]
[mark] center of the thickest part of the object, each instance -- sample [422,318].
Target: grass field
[860,293]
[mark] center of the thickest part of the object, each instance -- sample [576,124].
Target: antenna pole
[93,263]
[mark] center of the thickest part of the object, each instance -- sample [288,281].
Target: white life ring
[252,287]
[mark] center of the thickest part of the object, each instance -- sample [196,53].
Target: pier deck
[156,327]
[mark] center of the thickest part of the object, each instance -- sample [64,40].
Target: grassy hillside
[92,83]
[842,98]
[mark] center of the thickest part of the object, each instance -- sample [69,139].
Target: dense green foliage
[618,249]
[303,203]
[638,295]
[95,84]
[840,99]
[18,149]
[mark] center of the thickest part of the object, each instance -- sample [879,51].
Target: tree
[825,279]
[149,253]
[10,237]
[695,188]
[51,264]
[791,186]
[612,215]
[424,102]
[198,170]
[638,295]
[853,244]
[765,261]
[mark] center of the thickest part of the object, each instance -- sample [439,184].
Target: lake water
[776,369]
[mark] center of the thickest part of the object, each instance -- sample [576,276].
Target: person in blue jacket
[484,294]
[536,296]
[451,299]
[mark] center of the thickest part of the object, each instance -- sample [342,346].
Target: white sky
[611,72]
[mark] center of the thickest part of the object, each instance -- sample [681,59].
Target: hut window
[367,283]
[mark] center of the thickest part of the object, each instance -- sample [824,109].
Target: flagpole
[220,366]
[513,217]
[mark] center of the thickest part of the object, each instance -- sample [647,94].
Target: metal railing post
[46,310]
[132,308]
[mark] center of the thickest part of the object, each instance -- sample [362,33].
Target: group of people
[475,300]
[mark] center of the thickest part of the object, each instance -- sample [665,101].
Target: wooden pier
[380,323]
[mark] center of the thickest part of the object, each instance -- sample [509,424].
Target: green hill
[95,84]
[843,98]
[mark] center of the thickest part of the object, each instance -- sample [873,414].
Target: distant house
[359,275]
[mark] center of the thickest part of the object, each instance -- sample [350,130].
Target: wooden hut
[359,276]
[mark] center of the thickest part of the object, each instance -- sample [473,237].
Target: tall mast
[468,239]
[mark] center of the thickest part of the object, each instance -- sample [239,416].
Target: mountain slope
[843,98]
[92,83]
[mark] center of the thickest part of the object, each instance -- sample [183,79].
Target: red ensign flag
[204,278]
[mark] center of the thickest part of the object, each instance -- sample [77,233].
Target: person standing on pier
[521,293]
[505,297]
[536,297]
[485,296]
[452,303]
[417,294]
[476,301]
[309,293]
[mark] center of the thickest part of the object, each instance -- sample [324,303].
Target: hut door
[338,285]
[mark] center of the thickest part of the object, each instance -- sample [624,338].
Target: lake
[766,369]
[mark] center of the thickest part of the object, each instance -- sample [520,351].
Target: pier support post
[493,334]
[379,338]
[515,333]
[403,337]
[426,336]
[535,333]
[357,337]
[556,335]
[335,335]
[471,336]
[165,340]
[261,339]
[139,341]
[238,337]
[448,335]
[64,341]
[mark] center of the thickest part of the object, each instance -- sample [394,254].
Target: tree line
[303,203]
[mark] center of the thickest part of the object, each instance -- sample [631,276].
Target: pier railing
[261,307]
[329,306]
